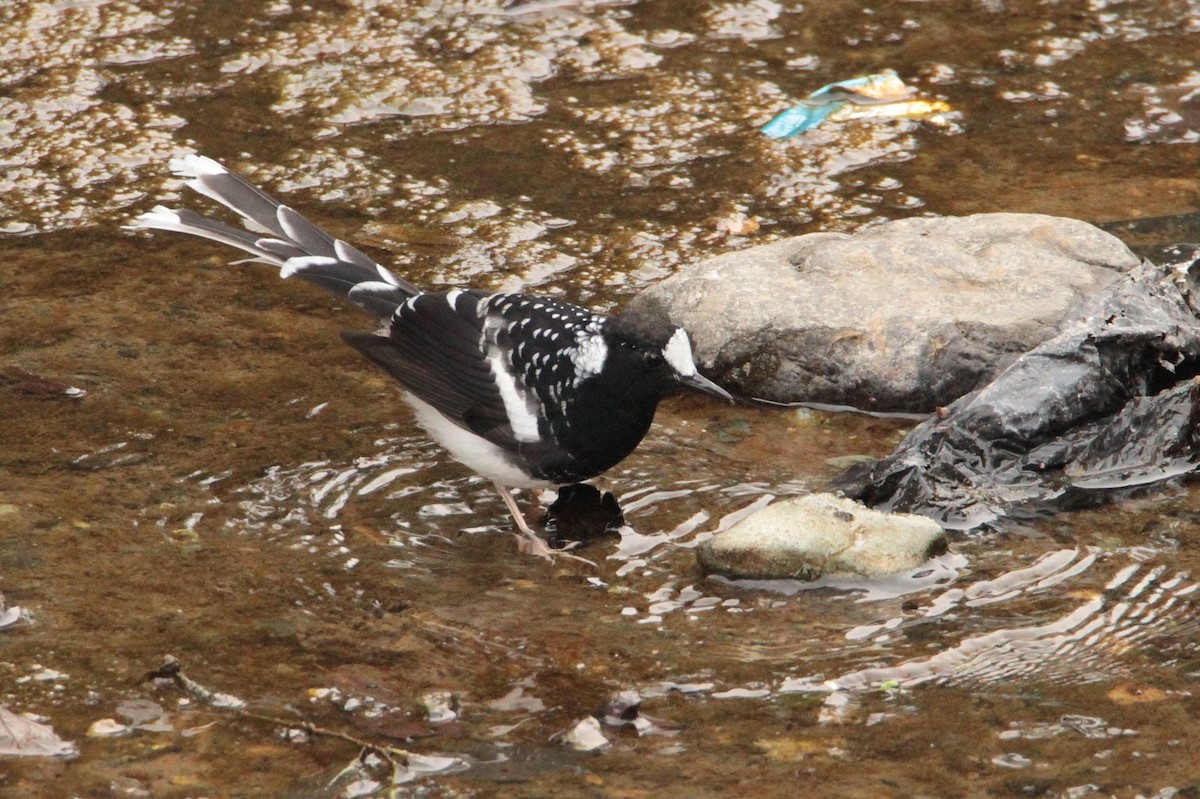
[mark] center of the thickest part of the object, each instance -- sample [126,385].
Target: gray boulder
[907,315]
[806,538]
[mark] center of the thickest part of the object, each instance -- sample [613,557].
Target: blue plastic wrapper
[798,119]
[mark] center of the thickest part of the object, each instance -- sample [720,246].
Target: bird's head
[660,352]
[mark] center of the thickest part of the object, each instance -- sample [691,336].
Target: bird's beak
[699,382]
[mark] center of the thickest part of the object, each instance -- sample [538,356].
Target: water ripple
[1090,642]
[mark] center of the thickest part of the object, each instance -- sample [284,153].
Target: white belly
[477,454]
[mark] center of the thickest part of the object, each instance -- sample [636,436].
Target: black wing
[493,364]
[433,350]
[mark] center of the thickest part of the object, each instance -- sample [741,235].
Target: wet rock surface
[810,537]
[904,316]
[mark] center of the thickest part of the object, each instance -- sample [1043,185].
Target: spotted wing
[538,342]
[491,363]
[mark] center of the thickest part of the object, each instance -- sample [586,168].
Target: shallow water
[236,489]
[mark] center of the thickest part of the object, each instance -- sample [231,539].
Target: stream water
[193,465]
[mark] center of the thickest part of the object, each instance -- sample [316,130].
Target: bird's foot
[530,544]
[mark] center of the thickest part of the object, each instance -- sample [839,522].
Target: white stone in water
[11,616]
[808,537]
[107,728]
[440,706]
[585,736]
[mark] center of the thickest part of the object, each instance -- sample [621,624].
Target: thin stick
[173,671]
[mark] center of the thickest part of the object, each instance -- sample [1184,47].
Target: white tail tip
[194,166]
[157,218]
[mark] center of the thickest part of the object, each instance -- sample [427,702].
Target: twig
[172,670]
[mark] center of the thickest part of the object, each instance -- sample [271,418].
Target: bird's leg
[529,542]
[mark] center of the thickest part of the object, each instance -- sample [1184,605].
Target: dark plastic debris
[1109,403]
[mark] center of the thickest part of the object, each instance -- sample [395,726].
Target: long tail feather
[279,236]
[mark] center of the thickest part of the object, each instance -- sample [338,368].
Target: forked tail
[279,236]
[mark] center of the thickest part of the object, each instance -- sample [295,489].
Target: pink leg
[529,542]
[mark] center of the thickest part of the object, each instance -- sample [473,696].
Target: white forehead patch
[678,353]
[589,355]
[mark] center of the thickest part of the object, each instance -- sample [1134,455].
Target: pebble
[806,538]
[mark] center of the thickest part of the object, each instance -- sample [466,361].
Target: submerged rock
[907,315]
[808,537]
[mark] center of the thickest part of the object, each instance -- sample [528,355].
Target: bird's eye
[652,358]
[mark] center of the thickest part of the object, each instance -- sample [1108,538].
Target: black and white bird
[526,391]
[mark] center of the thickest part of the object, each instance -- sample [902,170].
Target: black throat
[607,417]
